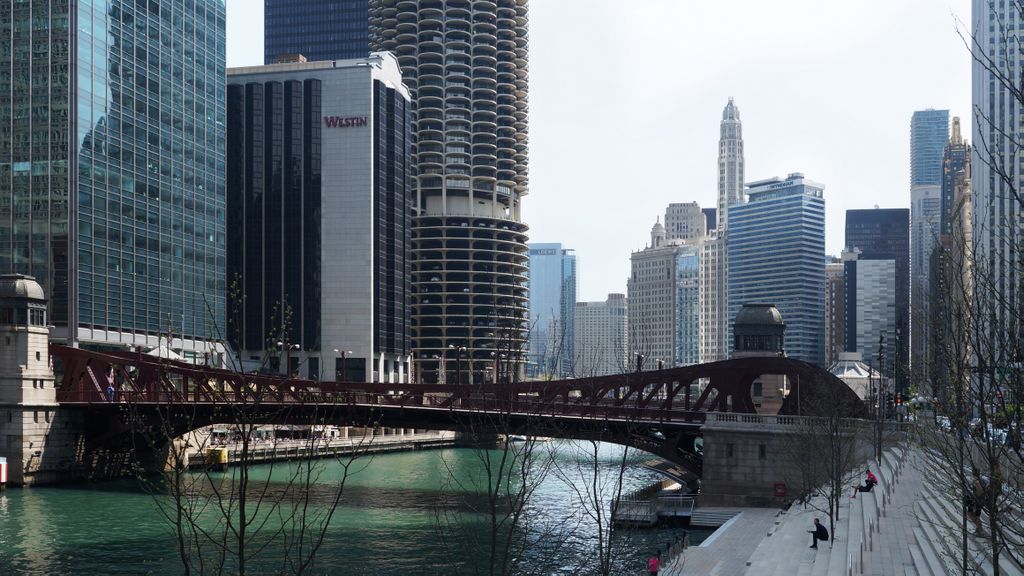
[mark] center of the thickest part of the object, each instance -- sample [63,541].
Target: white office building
[664,300]
[600,337]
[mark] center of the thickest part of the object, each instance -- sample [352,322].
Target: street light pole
[458,362]
[440,367]
[878,408]
[344,364]
[288,355]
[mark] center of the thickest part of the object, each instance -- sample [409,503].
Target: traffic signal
[899,399]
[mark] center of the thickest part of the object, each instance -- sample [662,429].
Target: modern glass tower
[881,234]
[112,166]
[552,308]
[317,29]
[465,63]
[776,254]
[929,131]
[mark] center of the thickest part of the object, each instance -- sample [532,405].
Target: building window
[729,450]
[762,451]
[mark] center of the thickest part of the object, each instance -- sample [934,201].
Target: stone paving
[726,551]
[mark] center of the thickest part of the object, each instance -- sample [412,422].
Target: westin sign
[344,121]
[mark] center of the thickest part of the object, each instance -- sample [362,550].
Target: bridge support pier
[40,439]
[758,460]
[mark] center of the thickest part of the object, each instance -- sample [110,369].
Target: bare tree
[502,434]
[270,509]
[977,345]
[841,444]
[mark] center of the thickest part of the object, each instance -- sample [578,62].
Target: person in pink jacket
[869,483]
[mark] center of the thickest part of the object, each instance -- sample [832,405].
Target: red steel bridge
[125,393]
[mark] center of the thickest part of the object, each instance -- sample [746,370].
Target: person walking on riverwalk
[653,564]
[819,533]
[974,499]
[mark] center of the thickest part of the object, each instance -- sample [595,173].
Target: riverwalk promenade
[903,527]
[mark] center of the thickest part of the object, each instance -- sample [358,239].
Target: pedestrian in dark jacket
[819,533]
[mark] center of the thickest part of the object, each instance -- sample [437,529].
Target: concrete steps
[712,518]
[942,517]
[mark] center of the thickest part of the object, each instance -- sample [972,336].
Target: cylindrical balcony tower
[465,62]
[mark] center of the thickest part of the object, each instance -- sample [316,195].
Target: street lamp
[639,362]
[497,366]
[344,364]
[458,361]
[440,367]
[288,355]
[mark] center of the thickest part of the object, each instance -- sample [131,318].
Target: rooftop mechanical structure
[465,63]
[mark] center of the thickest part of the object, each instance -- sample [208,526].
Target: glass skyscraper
[881,234]
[929,131]
[776,255]
[317,29]
[552,309]
[112,165]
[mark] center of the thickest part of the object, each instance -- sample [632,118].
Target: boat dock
[278,450]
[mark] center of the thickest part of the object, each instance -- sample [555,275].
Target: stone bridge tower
[35,435]
[759,330]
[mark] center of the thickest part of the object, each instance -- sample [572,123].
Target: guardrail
[762,421]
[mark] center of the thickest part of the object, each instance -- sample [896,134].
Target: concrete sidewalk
[727,550]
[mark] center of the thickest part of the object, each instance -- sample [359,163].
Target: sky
[626,98]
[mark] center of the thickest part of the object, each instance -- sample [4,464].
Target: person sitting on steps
[819,533]
[869,483]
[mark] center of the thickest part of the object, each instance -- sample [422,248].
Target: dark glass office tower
[882,234]
[318,218]
[317,29]
[111,166]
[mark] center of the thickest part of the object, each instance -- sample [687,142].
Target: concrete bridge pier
[755,460]
[40,439]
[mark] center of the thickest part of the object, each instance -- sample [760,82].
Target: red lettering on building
[345,121]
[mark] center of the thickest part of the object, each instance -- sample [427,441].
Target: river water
[401,513]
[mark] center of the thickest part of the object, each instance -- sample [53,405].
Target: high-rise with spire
[730,161]
[714,272]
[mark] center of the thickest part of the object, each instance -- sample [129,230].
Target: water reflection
[399,515]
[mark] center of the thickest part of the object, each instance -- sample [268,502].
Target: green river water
[400,513]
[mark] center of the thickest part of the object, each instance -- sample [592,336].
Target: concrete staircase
[940,531]
[862,543]
[907,526]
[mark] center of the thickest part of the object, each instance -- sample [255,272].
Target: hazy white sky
[626,96]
